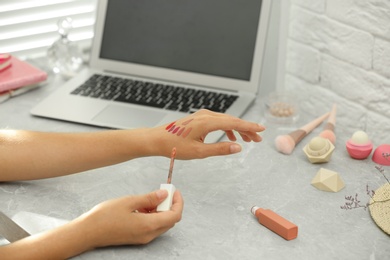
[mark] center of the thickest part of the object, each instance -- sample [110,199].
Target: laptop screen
[211,37]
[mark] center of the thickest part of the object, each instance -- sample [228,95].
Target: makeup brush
[286,143]
[328,131]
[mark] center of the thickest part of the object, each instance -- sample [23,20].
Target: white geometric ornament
[328,180]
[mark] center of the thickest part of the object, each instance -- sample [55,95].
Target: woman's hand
[131,220]
[128,220]
[46,155]
[188,135]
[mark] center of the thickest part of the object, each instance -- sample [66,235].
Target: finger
[149,201]
[167,219]
[177,202]
[221,148]
[250,136]
[231,135]
[253,136]
[227,123]
[244,137]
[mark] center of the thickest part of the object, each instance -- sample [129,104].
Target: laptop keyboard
[154,95]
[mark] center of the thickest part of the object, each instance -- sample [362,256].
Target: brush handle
[297,135]
[329,126]
[332,117]
[313,124]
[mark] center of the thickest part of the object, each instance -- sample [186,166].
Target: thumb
[150,200]
[222,148]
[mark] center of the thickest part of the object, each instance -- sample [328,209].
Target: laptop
[181,47]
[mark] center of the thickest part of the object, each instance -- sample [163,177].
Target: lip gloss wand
[167,203]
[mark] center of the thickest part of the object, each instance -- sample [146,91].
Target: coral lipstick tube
[276,223]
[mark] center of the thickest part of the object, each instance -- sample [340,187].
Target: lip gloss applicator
[167,203]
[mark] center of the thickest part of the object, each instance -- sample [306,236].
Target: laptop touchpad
[128,117]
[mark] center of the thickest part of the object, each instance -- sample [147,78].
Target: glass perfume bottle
[64,56]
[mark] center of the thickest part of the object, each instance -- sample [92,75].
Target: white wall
[339,51]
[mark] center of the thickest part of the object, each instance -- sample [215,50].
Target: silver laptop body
[214,45]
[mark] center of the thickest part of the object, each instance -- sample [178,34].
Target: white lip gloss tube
[167,203]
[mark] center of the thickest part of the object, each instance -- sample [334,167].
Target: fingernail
[161,194]
[263,127]
[235,148]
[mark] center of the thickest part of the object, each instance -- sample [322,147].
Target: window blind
[29,27]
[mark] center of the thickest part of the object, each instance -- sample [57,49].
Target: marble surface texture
[218,193]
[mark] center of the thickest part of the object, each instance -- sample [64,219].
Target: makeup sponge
[329,134]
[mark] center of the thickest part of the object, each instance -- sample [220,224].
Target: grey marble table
[218,193]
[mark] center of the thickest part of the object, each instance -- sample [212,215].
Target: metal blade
[10,230]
